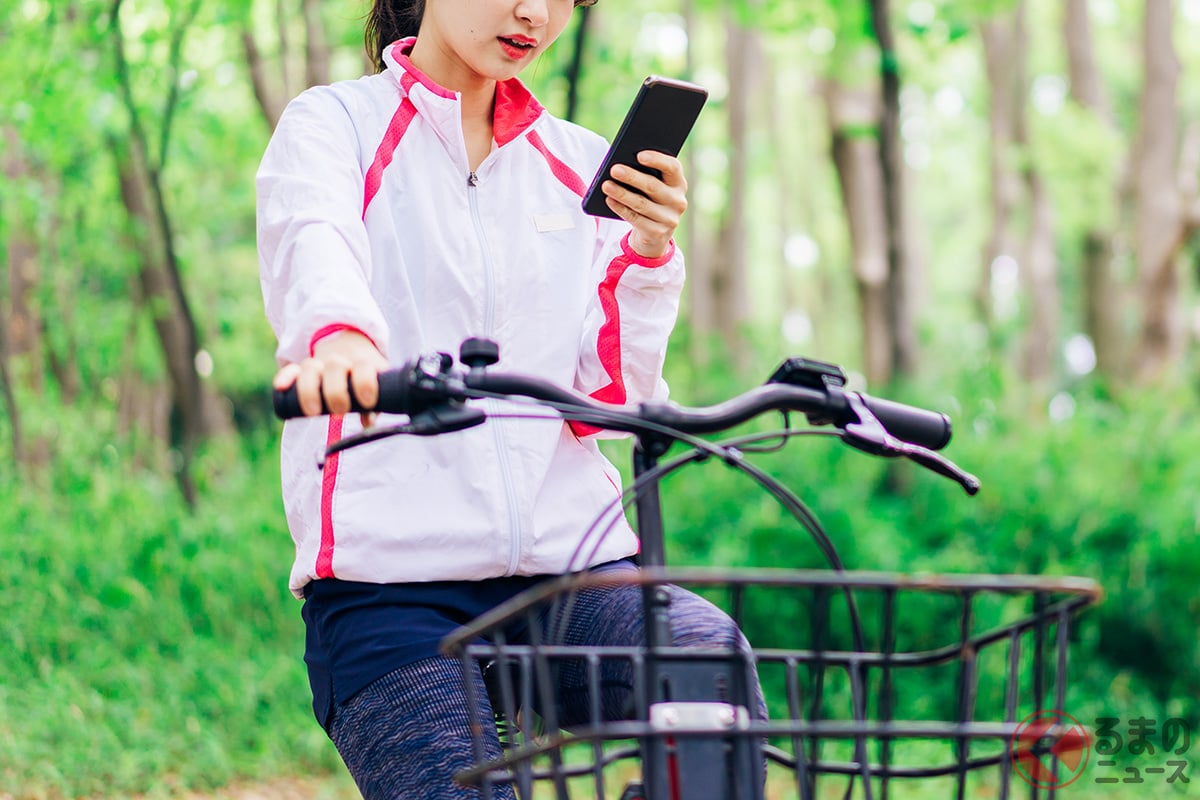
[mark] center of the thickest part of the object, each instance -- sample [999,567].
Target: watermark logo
[1050,749]
[1149,750]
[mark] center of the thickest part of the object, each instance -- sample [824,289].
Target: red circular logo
[1050,749]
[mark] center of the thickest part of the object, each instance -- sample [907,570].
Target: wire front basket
[870,680]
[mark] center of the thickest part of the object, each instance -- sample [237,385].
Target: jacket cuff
[641,260]
[329,330]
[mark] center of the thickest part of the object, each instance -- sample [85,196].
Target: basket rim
[1082,591]
[506,766]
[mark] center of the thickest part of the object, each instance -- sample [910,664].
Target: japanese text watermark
[1052,749]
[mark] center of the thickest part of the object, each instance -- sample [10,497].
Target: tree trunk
[1040,261]
[143,406]
[1087,88]
[316,46]
[701,315]
[575,66]
[900,280]
[1041,280]
[273,93]
[11,408]
[794,208]
[270,102]
[22,322]
[729,268]
[282,17]
[1103,303]
[58,329]
[1005,66]
[853,113]
[1158,215]
[196,411]
[1019,192]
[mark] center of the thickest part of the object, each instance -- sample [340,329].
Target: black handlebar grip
[393,397]
[286,402]
[395,392]
[929,429]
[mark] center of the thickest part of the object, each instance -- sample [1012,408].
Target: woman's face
[466,42]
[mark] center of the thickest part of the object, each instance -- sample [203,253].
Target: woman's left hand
[656,215]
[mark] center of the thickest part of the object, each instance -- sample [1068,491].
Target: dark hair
[389,20]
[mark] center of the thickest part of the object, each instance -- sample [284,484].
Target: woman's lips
[517,47]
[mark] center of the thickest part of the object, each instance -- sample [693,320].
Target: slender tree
[699,285]
[196,412]
[864,146]
[575,65]
[316,46]
[853,114]
[1103,302]
[727,272]
[22,323]
[273,78]
[1164,216]
[900,269]
[1022,217]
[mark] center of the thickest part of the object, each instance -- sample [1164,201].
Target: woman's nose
[534,12]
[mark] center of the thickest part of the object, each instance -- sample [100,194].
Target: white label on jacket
[548,223]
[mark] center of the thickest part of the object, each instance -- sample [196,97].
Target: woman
[400,214]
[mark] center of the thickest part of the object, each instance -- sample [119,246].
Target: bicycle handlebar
[917,426]
[428,382]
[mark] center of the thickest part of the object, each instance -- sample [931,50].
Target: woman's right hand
[342,359]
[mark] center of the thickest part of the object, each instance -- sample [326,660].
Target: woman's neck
[478,97]
[478,113]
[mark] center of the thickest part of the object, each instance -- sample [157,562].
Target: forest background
[982,207]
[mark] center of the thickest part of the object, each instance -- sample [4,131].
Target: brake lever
[446,418]
[439,400]
[364,436]
[935,462]
[869,435]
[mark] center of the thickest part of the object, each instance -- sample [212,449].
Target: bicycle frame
[688,766]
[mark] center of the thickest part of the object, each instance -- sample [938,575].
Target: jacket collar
[516,108]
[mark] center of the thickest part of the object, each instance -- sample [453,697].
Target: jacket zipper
[490,406]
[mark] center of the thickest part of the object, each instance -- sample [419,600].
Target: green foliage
[1104,494]
[1081,157]
[147,648]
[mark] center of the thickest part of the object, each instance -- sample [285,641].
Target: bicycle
[690,725]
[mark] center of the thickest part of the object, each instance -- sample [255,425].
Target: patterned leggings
[408,733]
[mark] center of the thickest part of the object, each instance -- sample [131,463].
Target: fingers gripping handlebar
[426,389]
[407,390]
[430,385]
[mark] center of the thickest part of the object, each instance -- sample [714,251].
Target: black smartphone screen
[660,119]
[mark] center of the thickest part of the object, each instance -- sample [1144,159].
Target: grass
[148,649]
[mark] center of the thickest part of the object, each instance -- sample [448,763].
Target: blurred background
[981,206]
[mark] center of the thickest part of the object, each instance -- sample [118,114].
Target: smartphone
[661,117]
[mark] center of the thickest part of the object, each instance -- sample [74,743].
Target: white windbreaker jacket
[370,218]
